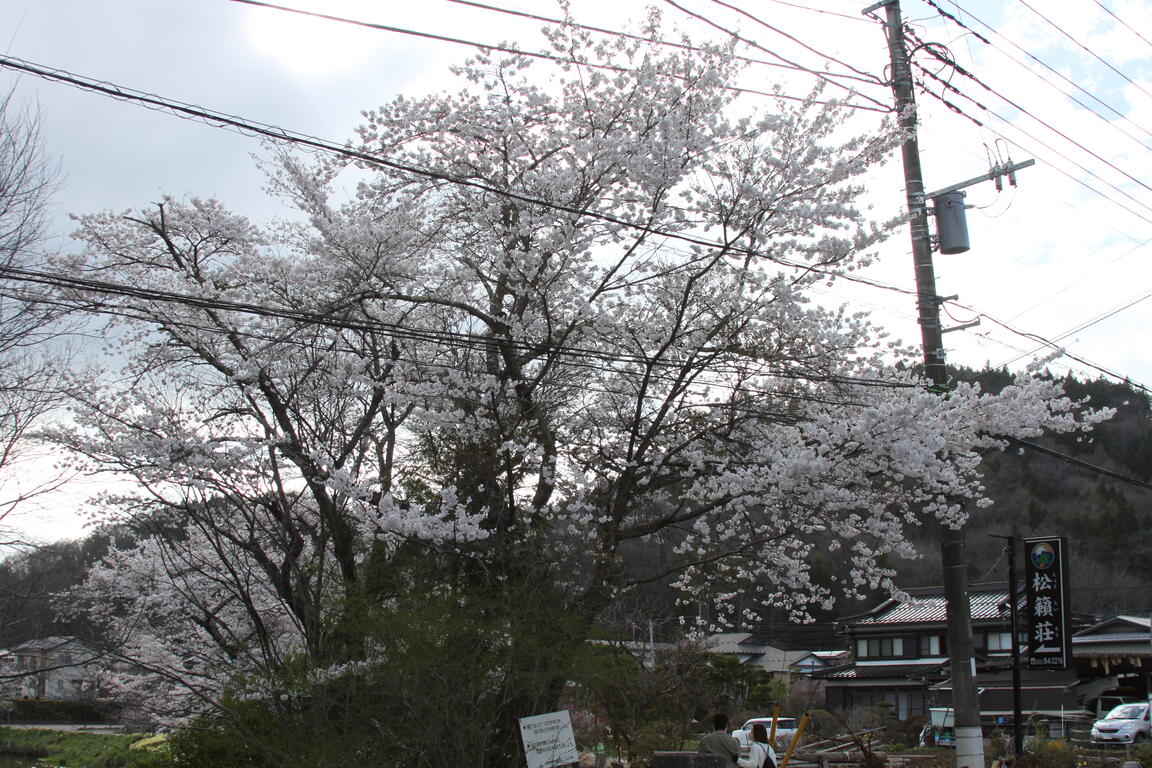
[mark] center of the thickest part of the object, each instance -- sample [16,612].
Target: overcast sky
[1048,257]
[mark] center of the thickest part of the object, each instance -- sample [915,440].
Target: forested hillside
[1091,488]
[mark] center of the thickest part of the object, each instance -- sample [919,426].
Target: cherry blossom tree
[557,317]
[30,361]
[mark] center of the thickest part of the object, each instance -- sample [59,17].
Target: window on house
[879,647]
[929,645]
[999,642]
[903,704]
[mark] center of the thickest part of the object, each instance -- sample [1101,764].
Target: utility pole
[1014,605]
[1010,544]
[966,712]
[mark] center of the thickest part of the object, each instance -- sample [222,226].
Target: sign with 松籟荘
[1049,641]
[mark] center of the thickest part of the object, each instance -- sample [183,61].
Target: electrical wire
[1076,282]
[282,135]
[1056,347]
[1126,25]
[1009,124]
[958,22]
[822,11]
[1085,325]
[1079,462]
[868,76]
[513,50]
[1086,49]
[1051,69]
[1044,342]
[1058,363]
[642,38]
[472,342]
[932,50]
[1104,316]
[881,106]
[1115,126]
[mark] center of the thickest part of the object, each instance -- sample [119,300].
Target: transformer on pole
[951,223]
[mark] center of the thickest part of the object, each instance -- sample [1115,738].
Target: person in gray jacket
[720,742]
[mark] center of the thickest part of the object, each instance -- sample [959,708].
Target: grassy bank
[82,750]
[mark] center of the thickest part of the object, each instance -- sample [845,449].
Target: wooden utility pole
[969,738]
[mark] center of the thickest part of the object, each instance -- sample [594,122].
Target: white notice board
[548,739]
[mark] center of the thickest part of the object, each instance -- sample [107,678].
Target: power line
[870,77]
[278,134]
[1054,346]
[1139,245]
[1008,123]
[958,22]
[1126,25]
[1113,125]
[1082,366]
[822,11]
[328,318]
[508,49]
[1051,69]
[882,107]
[1079,462]
[950,61]
[642,38]
[1085,48]
[282,135]
[931,49]
[1085,325]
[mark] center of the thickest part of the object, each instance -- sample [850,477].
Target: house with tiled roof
[817,661]
[899,653]
[751,649]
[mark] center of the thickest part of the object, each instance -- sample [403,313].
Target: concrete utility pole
[969,738]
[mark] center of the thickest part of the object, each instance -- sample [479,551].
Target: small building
[1116,655]
[817,661]
[751,649]
[61,668]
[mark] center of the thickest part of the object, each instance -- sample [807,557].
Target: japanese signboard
[1048,612]
[548,739]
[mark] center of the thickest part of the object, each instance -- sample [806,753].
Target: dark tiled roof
[882,671]
[932,609]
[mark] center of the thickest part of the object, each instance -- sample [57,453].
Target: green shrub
[1142,753]
[1043,753]
[90,750]
[999,746]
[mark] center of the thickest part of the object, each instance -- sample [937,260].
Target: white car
[785,730]
[1125,724]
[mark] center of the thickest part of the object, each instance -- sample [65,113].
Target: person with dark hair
[760,752]
[720,742]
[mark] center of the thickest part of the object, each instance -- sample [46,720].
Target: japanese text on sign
[548,740]
[1046,572]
